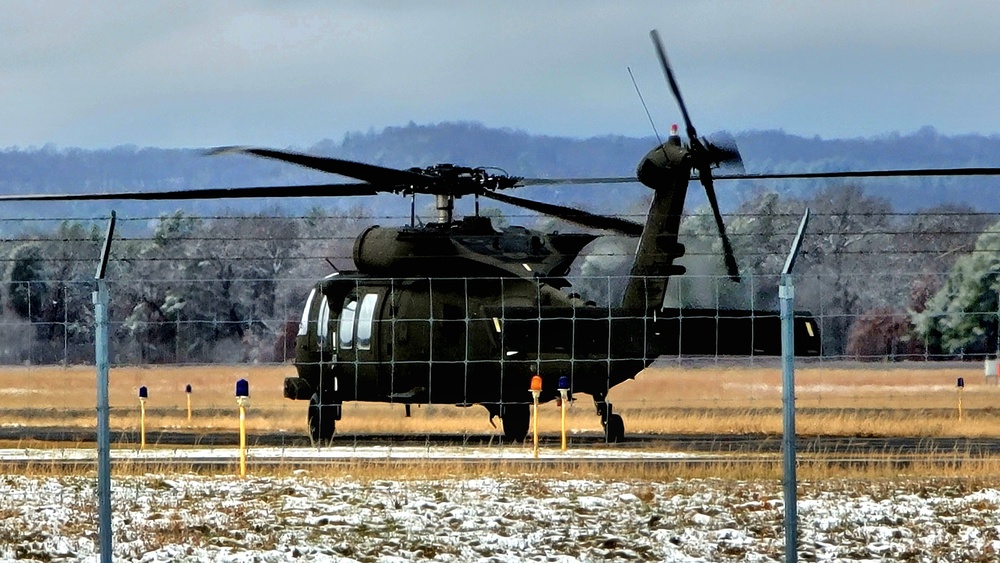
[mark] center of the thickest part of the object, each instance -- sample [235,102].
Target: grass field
[832,399]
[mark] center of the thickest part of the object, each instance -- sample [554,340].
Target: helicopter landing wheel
[614,429]
[322,421]
[515,418]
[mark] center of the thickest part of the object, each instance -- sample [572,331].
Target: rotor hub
[456,181]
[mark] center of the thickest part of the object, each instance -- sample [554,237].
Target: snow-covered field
[311,518]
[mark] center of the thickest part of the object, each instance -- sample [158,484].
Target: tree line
[190,289]
[884,284]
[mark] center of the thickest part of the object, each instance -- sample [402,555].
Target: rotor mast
[445,204]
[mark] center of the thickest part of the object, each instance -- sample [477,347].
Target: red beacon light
[536,384]
[673,130]
[536,390]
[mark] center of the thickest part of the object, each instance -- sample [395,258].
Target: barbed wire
[322,257]
[573,278]
[352,237]
[637,215]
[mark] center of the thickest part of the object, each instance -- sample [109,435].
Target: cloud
[212,72]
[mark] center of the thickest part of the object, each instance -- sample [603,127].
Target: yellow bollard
[243,399]
[536,390]
[143,395]
[564,398]
[243,437]
[187,390]
[961,387]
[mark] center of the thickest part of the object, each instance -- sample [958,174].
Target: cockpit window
[366,316]
[304,321]
[347,323]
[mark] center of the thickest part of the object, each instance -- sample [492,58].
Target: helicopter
[459,312]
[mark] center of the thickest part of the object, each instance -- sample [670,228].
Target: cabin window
[304,321]
[323,323]
[366,317]
[347,323]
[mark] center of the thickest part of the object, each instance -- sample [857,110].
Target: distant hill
[127,168]
[776,151]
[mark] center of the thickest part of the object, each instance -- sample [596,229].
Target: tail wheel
[322,420]
[515,418]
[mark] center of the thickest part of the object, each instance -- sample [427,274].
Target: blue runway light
[187,388]
[961,382]
[242,388]
[143,392]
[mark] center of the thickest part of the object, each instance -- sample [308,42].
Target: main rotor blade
[311,190]
[365,189]
[357,170]
[727,249]
[576,216]
[575,181]
[902,172]
[981,171]
[662,54]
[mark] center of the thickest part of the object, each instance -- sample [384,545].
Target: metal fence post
[103,410]
[786,297]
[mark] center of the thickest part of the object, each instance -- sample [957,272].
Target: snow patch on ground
[306,518]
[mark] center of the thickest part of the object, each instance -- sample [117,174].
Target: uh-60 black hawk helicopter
[458,312]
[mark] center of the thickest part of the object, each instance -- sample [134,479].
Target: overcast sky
[100,73]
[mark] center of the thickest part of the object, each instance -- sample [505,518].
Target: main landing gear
[614,426]
[322,420]
[515,418]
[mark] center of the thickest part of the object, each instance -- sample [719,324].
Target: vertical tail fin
[658,246]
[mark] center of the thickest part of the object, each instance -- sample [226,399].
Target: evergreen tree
[962,317]
[28,281]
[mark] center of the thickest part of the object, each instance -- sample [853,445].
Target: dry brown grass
[880,399]
[849,399]
[959,468]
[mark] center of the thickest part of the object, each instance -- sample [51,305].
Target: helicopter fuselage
[480,341]
[455,341]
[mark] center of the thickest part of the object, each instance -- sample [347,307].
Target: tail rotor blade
[727,248]
[723,151]
[705,155]
[662,54]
